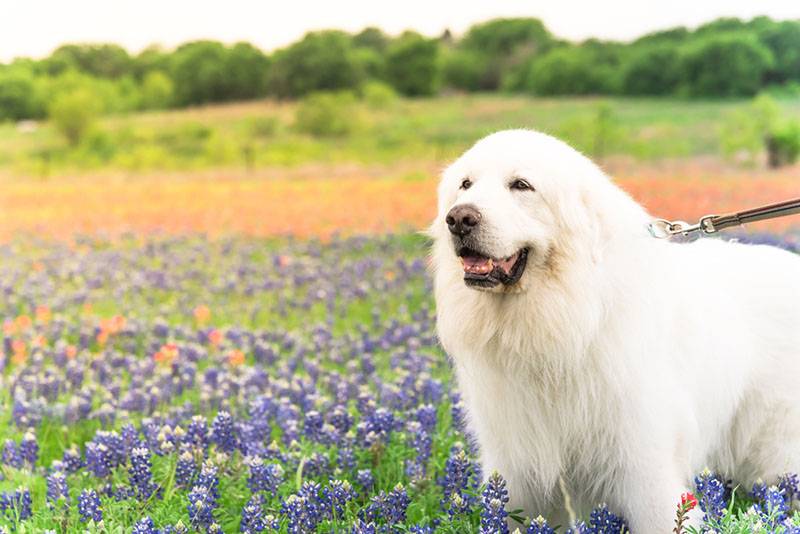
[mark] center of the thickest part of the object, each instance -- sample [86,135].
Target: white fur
[620,363]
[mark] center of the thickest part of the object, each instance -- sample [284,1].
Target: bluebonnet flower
[201,507]
[11,454]
[303,510]
[539,526]
[253,515]
[97,459]
[426,415]
[71,460]
[459,474]
[337,495]
[185,469]
[397,503]
[790,485]
[772,506]
[89,506]
[603,521]
[365,479]
[263,477]
[29,448]
[361,527]
[145,526]
[17,504]
[710,493]
[222,432]
[494,499]
[208,478]
[140,474]
[57,489]
[197,432]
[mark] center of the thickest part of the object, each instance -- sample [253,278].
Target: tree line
[725,58]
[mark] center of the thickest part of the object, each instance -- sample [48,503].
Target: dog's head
[515,203]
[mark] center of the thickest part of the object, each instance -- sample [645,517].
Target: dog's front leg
[649,497]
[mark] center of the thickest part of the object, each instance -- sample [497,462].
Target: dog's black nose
[462,219]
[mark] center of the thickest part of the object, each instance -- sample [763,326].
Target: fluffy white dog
[595,358]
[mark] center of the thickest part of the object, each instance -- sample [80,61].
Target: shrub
[412,65]
[157,91]
[378,94]
[725,65]
[327,114]
[743,131]
[783,144]
[73,114]
[321,61]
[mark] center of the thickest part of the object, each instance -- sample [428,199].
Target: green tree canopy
[727,64]
[323,60]
[412,65]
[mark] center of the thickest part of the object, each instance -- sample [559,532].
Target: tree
[498,47]
[572,70]
[320,61]
[372,38]
[19,95]
[101,60]
[199,72]
[412,65]
[652,70]
[467,69]
[783,40]
[247,69]
[725,65]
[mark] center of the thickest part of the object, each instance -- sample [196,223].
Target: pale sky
[35,27]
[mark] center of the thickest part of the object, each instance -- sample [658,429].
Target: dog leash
[711,224]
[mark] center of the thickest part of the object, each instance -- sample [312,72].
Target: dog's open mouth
[482,271]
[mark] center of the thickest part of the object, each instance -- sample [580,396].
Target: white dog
[596,358]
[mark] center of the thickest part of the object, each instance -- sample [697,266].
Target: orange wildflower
[43,314]
[202,314]
[236,357]
[215,337]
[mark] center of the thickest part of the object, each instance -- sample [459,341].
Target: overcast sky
[35,27]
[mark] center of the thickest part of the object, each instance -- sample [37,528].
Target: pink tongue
[477,264]
[508,263]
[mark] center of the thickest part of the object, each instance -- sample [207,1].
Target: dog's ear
[584,221]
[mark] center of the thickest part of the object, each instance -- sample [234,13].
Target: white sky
[35,27]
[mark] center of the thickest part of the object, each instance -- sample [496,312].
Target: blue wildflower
[145,526]
[57,489]
[140,474]
[185,469]
[539,526]
[89,506]
[494,499]
[365,479]
[263,477]
[222,432]
[710,493]
[603,521]
[29,448]
[201,507]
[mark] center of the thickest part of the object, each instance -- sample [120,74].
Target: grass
[262,134]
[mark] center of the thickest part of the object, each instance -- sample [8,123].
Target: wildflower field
[182,384]
[188,346]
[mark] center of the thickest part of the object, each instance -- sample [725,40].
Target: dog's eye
[466,184]
[521,185]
